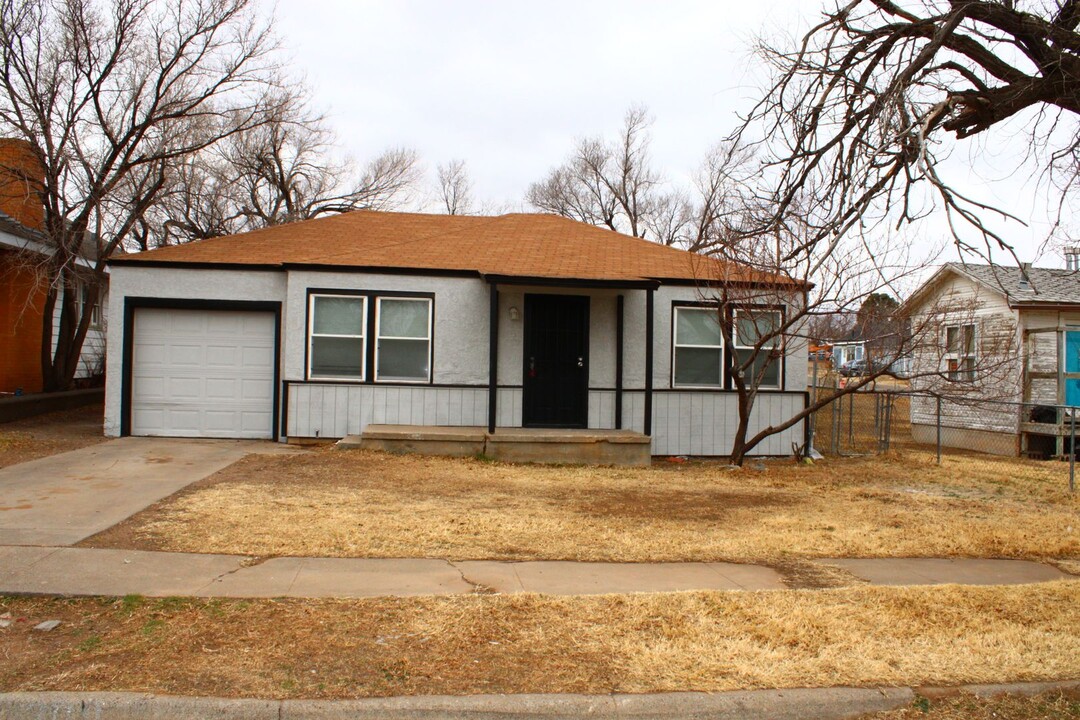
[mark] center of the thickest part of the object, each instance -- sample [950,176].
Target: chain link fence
[878,420]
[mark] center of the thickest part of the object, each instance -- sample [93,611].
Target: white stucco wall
[685,422]
[178,284]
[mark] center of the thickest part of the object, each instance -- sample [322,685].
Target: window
[960,352]
[750,326]
[83,297]
[403,350]
[336,350]
[698,348]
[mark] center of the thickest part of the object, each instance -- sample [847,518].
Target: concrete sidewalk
[84,571]
[787,704]
[64,498]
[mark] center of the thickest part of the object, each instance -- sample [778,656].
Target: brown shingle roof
[523,245]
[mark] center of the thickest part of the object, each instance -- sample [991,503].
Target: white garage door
[200,373]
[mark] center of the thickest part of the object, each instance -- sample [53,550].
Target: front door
[556,373]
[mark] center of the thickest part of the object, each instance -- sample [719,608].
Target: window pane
[750,326]
[697,366]
[339,316]
[403,318]
[969,339]
[337,357]
[772,369]
[403,360]
[952,343]
[697,326]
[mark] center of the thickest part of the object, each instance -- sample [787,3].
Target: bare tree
[862,109]
[607,183]
[455,188]
[275,173]
[613,184]
[108,95]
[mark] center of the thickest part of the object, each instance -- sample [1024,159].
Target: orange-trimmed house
[22,285]
[324,328]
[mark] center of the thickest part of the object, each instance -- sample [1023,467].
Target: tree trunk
[58,367]
[738,446]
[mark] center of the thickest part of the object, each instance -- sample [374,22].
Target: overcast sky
[508,86]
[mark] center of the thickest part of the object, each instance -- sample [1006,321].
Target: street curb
[822,703]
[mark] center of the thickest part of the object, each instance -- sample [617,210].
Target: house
[23,285]
[320,328]
[1003,351]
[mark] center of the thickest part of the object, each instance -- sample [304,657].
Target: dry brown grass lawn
[50,434]
[332,503]
[1052,706]
[709,641]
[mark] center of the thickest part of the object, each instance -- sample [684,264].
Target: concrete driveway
[62,499]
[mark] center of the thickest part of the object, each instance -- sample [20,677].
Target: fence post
[813,416]
[938,429]
[1072,451]
[888,420]
[851,421]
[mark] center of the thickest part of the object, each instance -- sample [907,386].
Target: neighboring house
[1002,349]
[318,328]
[846,350]
[23,285]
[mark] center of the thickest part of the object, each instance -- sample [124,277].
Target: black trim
[542,281]
[619,316]
[380,270]
[493,356]
[284,409]
[180,265]
[131,304]
[649,340]
[370,338]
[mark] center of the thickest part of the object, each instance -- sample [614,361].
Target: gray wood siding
[984,404]
[684,423]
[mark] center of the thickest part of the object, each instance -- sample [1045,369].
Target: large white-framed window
[336,347]
[697,348]
[960,352]
[751,325]
[403,339]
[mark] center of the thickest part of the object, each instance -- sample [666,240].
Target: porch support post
[493,357]
[618,360]
[648,360]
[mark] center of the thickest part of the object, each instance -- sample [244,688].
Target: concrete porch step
[537,445]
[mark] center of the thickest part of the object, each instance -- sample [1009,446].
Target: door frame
[131,304]
[525,343]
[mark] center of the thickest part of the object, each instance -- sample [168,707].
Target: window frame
[97,311]
[959,356]
[777,342]
[675,345]
[311,335]
[429,338]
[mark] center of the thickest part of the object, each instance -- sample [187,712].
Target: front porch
[533,445]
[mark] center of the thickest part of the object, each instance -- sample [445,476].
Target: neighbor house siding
[22,301]
[988,404]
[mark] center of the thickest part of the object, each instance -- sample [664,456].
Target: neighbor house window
[87,296]
[751,325]
[336,349]
[403,347]
[960,352]
[698,348]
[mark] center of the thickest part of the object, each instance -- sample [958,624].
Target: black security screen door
[556,373]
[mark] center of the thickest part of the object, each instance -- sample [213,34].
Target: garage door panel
[253,390]
[203,373]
